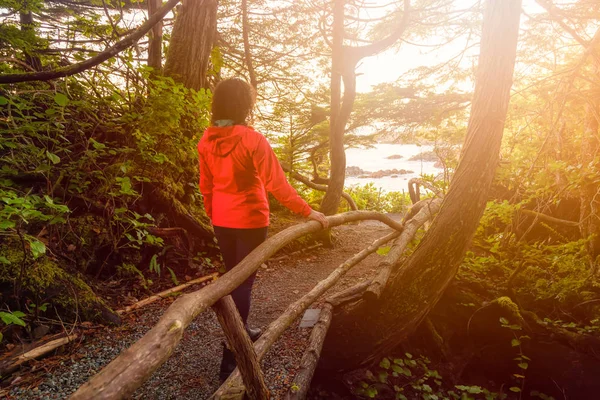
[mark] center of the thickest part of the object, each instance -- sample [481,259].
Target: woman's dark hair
[233,99]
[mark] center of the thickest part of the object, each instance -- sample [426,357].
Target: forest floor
[192,370]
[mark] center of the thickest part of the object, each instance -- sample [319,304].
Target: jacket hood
[221,141]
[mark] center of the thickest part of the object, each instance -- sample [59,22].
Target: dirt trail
[192,371]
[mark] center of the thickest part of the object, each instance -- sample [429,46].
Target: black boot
[227,364]
[253,333]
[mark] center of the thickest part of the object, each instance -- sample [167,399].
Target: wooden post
[242,348]
[310,359]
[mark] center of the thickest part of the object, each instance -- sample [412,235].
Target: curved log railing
[233,387]
[126,373]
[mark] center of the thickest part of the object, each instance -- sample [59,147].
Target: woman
[237,169]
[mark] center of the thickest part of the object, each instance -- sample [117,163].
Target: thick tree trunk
[363,332]
[343,64]
[155,38]
[191,43]
[337,154]
[27,25]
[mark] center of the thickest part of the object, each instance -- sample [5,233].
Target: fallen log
[232,388]
[310,359]
[126,373]
[14,363]
[197,226]
[163,294]
[410,229]
[241,346]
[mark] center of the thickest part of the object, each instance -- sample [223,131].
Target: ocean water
[375,159]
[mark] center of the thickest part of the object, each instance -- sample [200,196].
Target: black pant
[235,245]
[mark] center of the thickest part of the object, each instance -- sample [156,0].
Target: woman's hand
[317,216]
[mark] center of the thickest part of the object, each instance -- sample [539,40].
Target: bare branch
[98,59]
[380,45]
[247,54]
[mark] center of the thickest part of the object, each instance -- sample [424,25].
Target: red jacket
[237,165]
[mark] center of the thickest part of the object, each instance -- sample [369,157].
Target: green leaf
[6,224]
[126,187]
[3,101]
[154,265]
[383,377]
[523,365]
[61,99]
[12,318]
[470,389]
[173,277]
[1,336]
[37,248]
[382,251]
[515,342]
[4,260]
[515,389]
[53,157]
[371,392]
[408,355]
[503,321]
[385,363]
[97,145]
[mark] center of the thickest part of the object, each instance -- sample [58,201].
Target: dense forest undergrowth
[99,201]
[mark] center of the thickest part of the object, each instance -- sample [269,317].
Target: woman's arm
[275,181]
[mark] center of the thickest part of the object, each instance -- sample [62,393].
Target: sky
[391,64]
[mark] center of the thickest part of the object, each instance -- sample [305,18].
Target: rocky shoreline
[362,174]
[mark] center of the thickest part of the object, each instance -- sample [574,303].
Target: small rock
[40,331]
